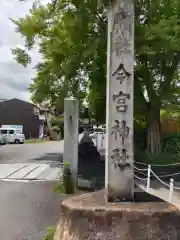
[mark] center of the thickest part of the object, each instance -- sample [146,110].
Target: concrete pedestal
[90,217]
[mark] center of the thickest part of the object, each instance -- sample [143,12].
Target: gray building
[18,112]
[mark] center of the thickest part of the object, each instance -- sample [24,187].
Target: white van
[12,135]
[2,140]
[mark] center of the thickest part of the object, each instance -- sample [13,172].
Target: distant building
[18,112]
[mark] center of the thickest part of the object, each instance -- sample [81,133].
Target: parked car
[11,135]
[2,140]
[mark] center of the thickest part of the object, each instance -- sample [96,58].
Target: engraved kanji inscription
[122,31]
[121,74]
[121,131]
[120,15]
[120,99]
[119,159]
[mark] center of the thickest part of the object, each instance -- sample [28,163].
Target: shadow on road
[51,158]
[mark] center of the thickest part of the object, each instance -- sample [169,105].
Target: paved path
[46,152]
[39,161]
[27,209]
[30,171]
[162,192]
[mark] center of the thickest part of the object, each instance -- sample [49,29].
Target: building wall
[17,112]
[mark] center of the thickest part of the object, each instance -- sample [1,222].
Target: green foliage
[140,135]
[72,42]
[21,56]
[56,129]
[67,164]
[58,121]
[157,61]
[158,49]
[66,182]
[170,152]
[154,158]
[58,125]
[172,144]
[171,111]
[50,234]
[73,49]
[67,179]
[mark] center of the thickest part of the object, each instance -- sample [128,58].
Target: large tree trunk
[153,129]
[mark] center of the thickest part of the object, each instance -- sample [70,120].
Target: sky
[14,78]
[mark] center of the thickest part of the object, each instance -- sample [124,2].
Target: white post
[71,134]
[171,188]
[148,178]
[119,173]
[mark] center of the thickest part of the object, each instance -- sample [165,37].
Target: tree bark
[153,129]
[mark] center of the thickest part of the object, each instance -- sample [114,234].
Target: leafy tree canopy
[72,41]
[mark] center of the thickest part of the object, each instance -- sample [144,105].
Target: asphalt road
[28,209]
[39,152]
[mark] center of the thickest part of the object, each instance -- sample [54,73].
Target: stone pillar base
[90,217]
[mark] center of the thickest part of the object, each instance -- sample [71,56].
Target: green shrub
[67,179]
[58,122]
[50,234]
[66,182]
[160,158]
[170,149]
[171,144]
[56,129]
[139,153]
[139,136]
[154,158]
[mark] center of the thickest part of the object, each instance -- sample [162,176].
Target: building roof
[18,100]
[32,104]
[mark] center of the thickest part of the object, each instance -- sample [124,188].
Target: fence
[149,173]
[99,142]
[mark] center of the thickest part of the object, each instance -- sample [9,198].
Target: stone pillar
[119,177]
[90,216]
[71,134]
